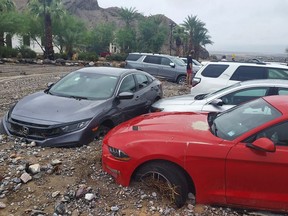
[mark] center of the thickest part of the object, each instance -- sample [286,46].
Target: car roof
[248,64]
[112,71]
[267,82]
[280,102]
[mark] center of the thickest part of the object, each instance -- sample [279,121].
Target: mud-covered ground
[70,181]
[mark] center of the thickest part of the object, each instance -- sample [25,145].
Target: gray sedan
[223,99]
[81,106]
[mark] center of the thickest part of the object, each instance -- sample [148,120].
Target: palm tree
[6,6]
[198,34]
[128,15]
[47,9]
[180,36]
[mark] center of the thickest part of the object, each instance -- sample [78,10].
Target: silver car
[223,99]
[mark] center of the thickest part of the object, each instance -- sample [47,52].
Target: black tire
[181,80]
[2,130]
[166,177]
[102,131]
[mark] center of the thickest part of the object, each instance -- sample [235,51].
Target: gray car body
[43,111]
[167,67]
[219,101]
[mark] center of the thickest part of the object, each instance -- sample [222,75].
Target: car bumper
[116,168]
[75,138]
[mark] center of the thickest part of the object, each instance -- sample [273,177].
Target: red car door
[255,178]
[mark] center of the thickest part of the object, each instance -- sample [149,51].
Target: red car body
[225,172]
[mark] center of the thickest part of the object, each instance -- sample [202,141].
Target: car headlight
[118,154]
[74,126]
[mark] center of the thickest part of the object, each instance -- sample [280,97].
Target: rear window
[249,73]
[214,70]
[133,57]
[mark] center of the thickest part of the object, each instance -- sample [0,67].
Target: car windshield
[178,61]
[85,85]
[236,121]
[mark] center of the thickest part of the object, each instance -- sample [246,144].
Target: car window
[214,70]
[142,80]
[240,119]
[128,84]
[152,59]
[241,96]
[283,91]
[275,73]
[133,57]
[278,134]
[243,73]
[165,61]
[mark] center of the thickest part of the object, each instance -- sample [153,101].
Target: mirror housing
[262,144]
[172,64]
[125,95]
[217,102]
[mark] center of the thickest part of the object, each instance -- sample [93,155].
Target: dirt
[61,188]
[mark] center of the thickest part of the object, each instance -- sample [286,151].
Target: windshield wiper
[78,97]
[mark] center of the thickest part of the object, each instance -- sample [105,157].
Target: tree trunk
[49,52]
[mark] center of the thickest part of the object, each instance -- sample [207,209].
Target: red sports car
[237,158]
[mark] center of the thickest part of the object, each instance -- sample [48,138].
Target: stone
[25,177]
[35,168]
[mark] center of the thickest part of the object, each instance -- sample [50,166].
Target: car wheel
[167,178]
[2,130]
[102,131]
[181,80]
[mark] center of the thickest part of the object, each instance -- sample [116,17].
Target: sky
[258,26]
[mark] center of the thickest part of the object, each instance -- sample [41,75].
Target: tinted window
[249,73]
[153,59]
[275,73]
[214,70]
[142,80]
[128,84]
[283,91]
[133,57]
[165,61]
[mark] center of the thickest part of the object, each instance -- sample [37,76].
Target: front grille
[32,131]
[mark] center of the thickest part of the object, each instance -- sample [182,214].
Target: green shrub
[8,52]
[88,56]
[26,52]
[117,57]
[61,56]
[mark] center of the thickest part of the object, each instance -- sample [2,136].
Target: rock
[25,177]
[54,194]
[55,162]
[35,168]
[114,208]
[2,205]
[89,196]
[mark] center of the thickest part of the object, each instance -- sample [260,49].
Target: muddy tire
[181,80]
[102,131]
[168,178]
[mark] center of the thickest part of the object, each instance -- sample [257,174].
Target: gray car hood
[177,100]
[43,108]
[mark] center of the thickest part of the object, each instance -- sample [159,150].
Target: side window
[278,134]
[133,57]
[214,70]
[128,84]
[242,96]
[165,61]
[283,91]
[142,80]
[275,73]
[249,73]
[152,59]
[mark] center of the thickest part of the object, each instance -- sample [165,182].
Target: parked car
[217,75]
[196,65]
[223,99]
[167,67]
[81,106]
[238,158]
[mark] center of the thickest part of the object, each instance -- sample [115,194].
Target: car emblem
[24,131]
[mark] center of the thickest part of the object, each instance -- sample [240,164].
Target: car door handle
[137,98]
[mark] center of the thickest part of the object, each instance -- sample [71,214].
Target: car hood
[43,108]
[176,100]
[165,126]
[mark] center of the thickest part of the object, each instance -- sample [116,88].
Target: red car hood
[180,127]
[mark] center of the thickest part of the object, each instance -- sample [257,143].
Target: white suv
[217,75]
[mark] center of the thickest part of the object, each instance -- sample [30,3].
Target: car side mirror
[262,144]
[172,64]
[125,95]
[217,102]
[50,84]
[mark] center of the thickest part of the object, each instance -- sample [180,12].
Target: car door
[129,108]
[151,64]
[257,178]
[166,70]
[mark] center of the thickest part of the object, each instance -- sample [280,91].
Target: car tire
[169,174]
[181,80]
[2,130]
[102,131]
